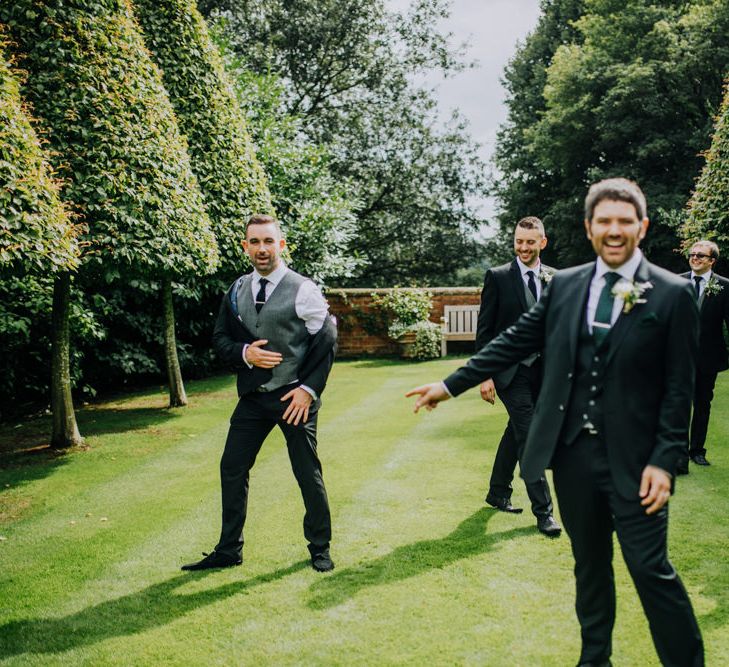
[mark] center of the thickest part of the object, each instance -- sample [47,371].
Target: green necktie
[604,312]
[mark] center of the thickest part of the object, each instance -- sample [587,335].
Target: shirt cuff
[445,388]
[245,361]
[309,391]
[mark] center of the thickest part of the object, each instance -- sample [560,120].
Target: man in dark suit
[508,292]
[619,336]
[713,299]
[274,329]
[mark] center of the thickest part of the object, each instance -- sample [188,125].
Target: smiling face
[700,258]
[528,243]
[615,231]
[264,245]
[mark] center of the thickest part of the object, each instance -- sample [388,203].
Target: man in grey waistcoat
[275,330]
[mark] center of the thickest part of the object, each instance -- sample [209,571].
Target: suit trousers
[519,397]
[703,395]
[254,418]
[591,510]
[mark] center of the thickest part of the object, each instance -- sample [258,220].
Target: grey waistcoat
[279,324]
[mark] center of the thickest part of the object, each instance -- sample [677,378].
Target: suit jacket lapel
[518,285]
[626,321]
[582,290]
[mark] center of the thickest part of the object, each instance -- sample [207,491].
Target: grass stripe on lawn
[425,572]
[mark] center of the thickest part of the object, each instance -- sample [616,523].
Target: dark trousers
[591,511]
[703,395]
[253,419]
[519,397]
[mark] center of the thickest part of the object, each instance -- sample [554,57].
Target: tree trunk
[65,430]
[178,398]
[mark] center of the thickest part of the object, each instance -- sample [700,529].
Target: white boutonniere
[545,276]
[713,287]
[630,292]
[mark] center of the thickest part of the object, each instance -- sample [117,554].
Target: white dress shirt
[536,270]
[705,277]
[626,271]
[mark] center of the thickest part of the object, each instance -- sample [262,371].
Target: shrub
[404,307]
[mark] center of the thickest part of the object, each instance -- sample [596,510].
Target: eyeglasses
[698,255]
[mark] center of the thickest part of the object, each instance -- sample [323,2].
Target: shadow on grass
[469,539]
[151,607]
[98,421]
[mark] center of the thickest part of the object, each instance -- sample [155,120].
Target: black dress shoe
[700,460]
[548,526]
[321,561]
[503,504]
[213,561]
[599,663]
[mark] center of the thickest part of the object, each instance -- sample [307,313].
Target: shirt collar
[524,268]
[274,278]
[704,276]
[626,271]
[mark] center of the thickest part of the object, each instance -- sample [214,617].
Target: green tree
[521,185]
[37,236]
[221,152]
[708,209]
[348,69]
[316,210]
[116,145]
[634,96]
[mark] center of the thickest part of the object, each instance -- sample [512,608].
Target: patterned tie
[261,296]
[697,280]
[604,313]
[531,284]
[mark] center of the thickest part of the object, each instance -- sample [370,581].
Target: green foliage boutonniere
[713,287]
[630,292]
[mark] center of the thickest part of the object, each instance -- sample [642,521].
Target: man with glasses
[712,296]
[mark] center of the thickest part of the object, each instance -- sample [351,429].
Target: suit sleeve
[485,330]
[681,350]
[315,368]
[508,348]
[229,350]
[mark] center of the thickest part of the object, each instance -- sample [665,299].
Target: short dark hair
[262,219]
[615,189]
[531,222]
[713,248]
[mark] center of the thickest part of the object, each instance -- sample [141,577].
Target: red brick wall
[353,307]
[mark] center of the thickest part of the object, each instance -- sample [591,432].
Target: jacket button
[561,407]
[569,376]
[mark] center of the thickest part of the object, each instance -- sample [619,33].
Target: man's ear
[587,229]
[244,243]
[644,224]
[543,243]
[282,243]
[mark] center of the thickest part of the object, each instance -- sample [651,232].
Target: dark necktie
[532,285]
[604,313]
[261,296]
[697,280]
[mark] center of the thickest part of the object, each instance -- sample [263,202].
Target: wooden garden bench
[458,323]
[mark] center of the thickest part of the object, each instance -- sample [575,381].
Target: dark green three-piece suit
[634,392]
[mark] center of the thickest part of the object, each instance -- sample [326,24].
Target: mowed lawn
[426,574]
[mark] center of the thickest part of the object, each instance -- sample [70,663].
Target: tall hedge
[117,145]
[114,137]
[222,153]
[708,215]
[36,232]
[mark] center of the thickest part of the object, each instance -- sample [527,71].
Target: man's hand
[299,406]
[655,488]
[488,391]
[257,356]
[430,396]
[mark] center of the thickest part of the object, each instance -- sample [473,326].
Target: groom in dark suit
[620,336]
[508,292]
[712,293]
[274,329]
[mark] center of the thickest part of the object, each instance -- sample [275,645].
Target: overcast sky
[492,28]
